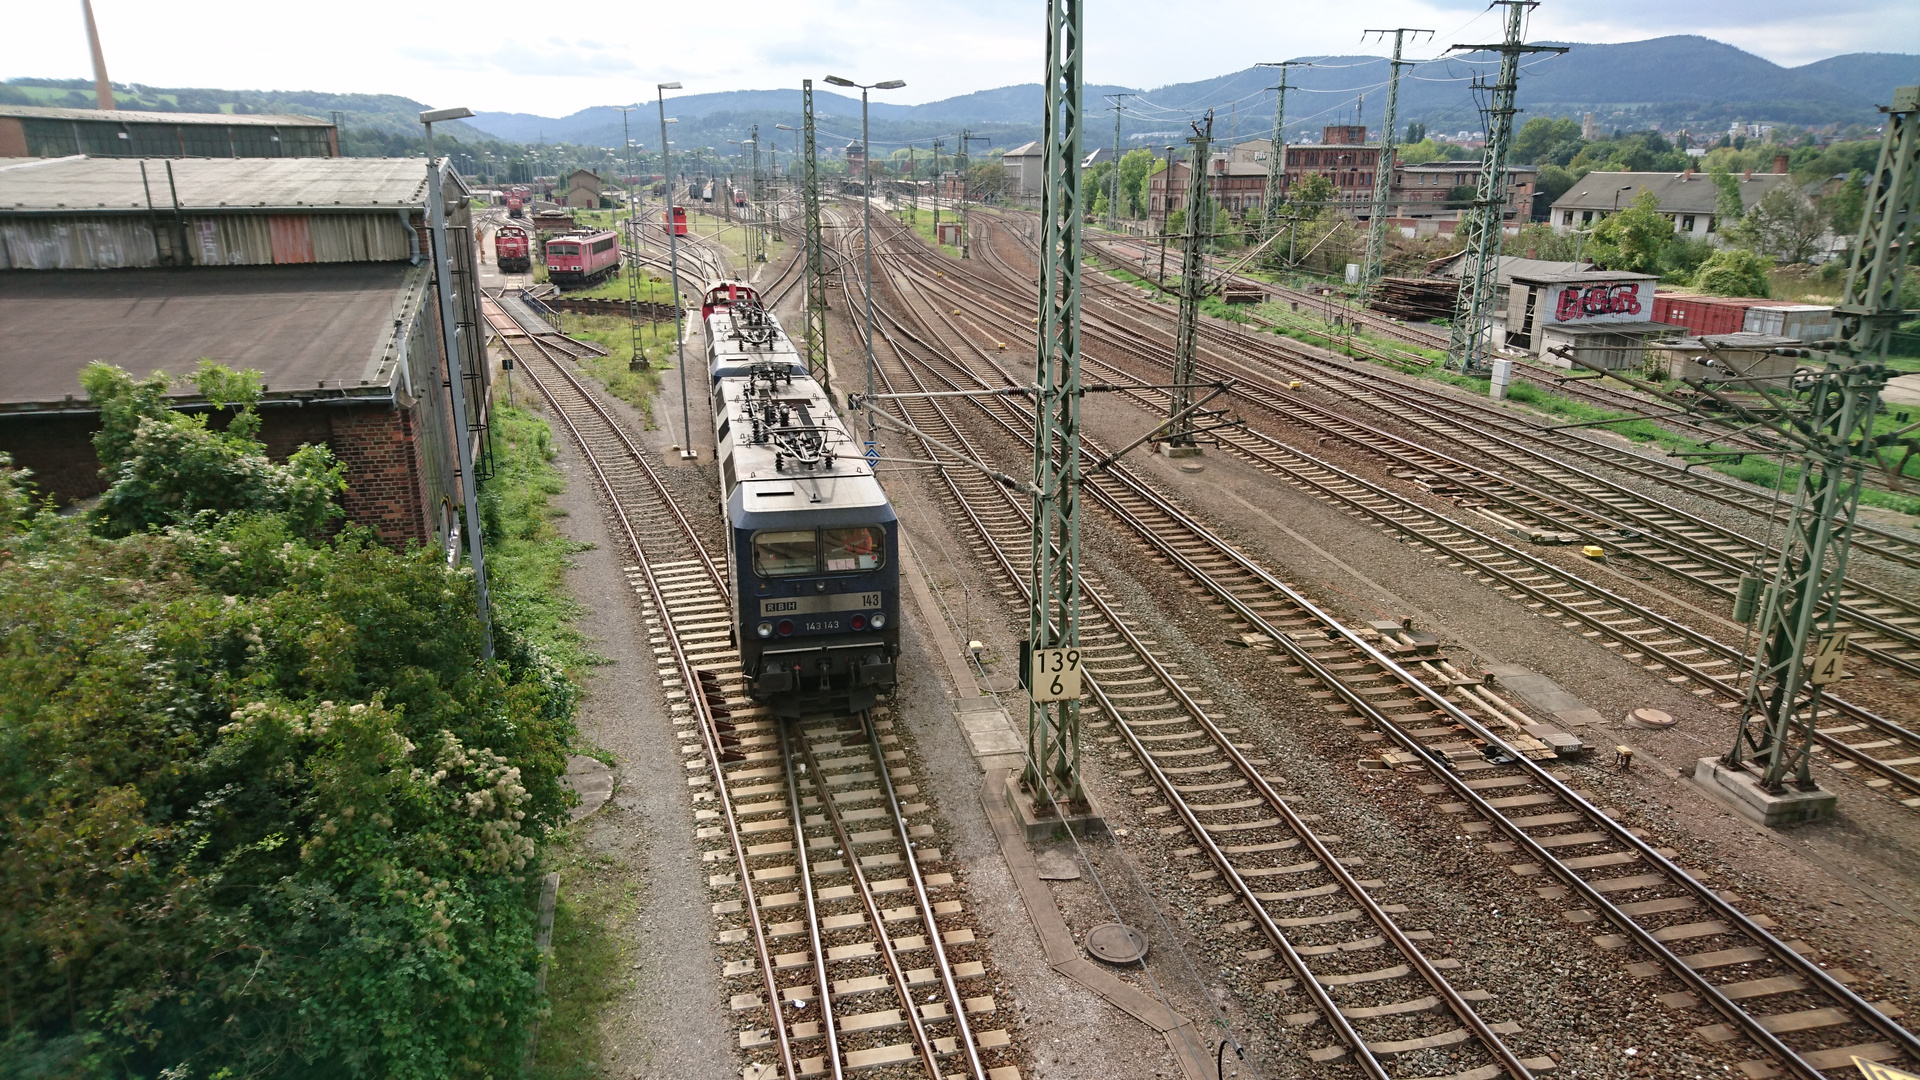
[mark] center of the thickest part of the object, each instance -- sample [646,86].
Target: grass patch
[652,289]
[924,226]
[610,332]
[527,557]
[588,968]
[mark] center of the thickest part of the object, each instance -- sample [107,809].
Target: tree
[1784,224]
[1847,206]
[1540,136]
[1416,131]
[1727,207]
[1554,181]
[1461,196]
[986,180]
[1633,239]
[1734,272]
[1135,166]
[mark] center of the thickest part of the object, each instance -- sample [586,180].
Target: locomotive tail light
[859,622]
[765,629]
[878,622]
[785,627]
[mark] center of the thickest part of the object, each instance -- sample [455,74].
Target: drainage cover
[1651,718]
[1116,943]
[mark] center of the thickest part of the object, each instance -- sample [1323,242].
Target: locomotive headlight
[765,629]
[878,621]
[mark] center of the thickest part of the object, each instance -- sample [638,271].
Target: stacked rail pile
[1424,299]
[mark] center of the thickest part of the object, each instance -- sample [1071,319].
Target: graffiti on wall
[1593,301]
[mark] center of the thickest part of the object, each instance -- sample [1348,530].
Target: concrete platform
[1741,790]
[990,733]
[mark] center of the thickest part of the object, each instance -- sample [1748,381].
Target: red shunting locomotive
[513,250]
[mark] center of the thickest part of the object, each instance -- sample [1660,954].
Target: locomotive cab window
[786,554]
[851,550]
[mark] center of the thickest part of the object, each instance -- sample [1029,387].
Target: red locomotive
[512,249]
[679,220]
[515,208]
[580,259]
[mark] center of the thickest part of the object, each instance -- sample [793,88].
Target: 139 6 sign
[1055,675]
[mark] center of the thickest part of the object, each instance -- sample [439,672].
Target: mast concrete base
[1741,790]
[1042,823]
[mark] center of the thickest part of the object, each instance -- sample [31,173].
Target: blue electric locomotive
[814,543]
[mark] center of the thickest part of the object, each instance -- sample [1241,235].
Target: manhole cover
[1116,943]
[1651,718]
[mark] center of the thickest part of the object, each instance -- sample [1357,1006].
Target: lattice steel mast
[756,229]
[1833,426]
[636,352]
[1113,200]
[1276,155]
[1468,343]
[1180,438]
[1053,728]
[816,335]
[1384,167]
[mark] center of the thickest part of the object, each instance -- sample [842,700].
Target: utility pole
[1180,441]
[1384,166]
[102,87]
[1472,332]
[967,139]
[937,145]
[1113,201]
[756,235]
[636,352]
[1277,154]
[673,274]
[913,191]
[1052,775]
[1166,212]
[1832,423]
[816,336]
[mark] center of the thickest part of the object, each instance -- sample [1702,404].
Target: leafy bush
[1733,272]
[263,813]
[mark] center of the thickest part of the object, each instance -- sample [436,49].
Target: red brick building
[312,272]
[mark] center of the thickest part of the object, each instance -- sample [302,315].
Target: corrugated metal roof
[78,184]
[311,331]
[47,112]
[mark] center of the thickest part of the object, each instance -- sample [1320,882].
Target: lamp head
[890,84]
[435,116]
[666,86]
[838,81]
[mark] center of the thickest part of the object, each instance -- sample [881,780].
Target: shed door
[292,238]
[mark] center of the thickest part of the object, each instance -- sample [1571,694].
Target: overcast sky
[531,57]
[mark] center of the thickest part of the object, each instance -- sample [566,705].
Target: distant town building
[38,131]
[1025,169]
[1689,200]
[584,189]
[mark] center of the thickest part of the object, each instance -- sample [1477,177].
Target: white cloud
[496,55]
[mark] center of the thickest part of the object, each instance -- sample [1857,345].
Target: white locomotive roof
[762,486]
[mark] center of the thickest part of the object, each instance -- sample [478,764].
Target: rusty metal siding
[60,243]
[291,238]
[359,238]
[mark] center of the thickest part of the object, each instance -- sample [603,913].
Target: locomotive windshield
[562,249]
[829,551]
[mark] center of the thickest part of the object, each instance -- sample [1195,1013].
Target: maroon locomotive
[576,260]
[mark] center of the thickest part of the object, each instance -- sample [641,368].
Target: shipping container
[1705,314]
[1802,322]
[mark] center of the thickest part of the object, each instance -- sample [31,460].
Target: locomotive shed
[307,270]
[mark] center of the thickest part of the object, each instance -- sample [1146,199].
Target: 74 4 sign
[1829,659]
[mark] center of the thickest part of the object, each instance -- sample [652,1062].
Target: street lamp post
[456,371]
[866,231]
[673,273]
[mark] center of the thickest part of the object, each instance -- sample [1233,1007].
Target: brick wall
[379,446]
[381,450]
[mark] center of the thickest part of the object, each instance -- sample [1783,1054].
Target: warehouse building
[40,131]
[1688,200]
[314,272]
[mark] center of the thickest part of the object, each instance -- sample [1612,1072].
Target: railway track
[1862,739]
[839,932]
[1801,1016]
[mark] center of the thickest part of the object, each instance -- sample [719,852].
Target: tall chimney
[102,89]
[1780,163]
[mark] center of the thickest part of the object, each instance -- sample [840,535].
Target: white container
[1502,375]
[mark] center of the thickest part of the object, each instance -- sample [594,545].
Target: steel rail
[911,861]
[829,1027]
[691,683]
[1349,885]
[845,839]
[1748,1023]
